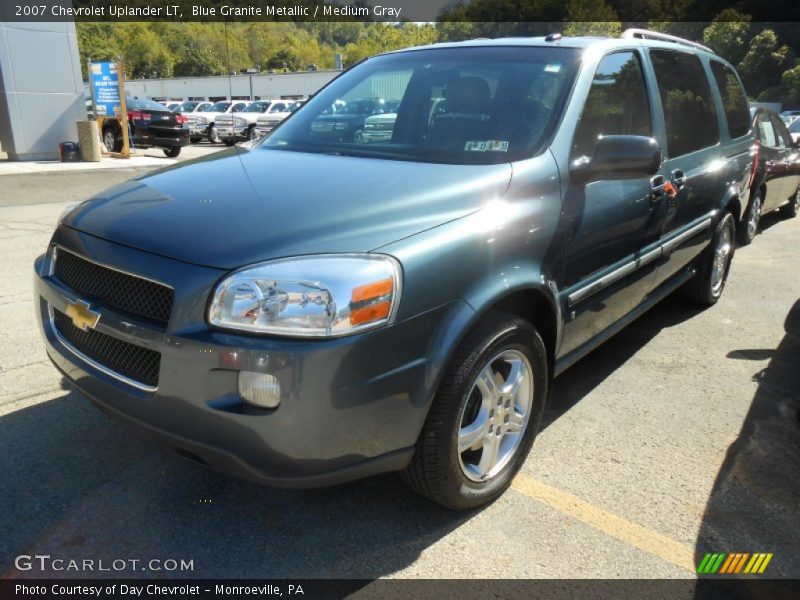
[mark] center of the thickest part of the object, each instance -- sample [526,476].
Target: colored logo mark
[737,562]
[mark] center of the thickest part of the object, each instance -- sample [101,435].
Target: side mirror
[619,157]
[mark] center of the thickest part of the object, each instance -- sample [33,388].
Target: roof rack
[646,34]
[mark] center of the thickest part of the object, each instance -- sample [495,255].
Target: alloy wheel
[722,256]
[755,217]
[109,139]
[495,416]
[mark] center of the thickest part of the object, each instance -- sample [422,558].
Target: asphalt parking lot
[677,438]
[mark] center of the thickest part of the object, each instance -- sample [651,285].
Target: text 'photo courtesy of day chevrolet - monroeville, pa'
[367,299]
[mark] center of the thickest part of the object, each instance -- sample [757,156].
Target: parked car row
[231,121]
[258,119]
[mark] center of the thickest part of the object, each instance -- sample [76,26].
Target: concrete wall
[41,92]
[263,85]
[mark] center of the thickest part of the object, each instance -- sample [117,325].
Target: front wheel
[172,152]
[112,140]
[749,226]
[230,142]
[485,416]
[213,136]
[793,208]
[195,139]
[252,134]
[706,287]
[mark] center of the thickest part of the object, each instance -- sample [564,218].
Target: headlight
[239,122]
[310,296]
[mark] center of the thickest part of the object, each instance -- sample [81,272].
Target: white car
[241,126]
[201,123]
[379,128]
[794,129]
[276,113]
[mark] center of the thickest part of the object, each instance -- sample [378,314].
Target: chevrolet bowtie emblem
[82,317]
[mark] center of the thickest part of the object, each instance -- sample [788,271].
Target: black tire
[792,209]
[172,152]
[251,133]
[229,143]
[195,139]
[213,136]
[437,470]
[112,139]
[701,289]
[748,227]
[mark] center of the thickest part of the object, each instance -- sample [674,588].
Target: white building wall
[41,91]
[262,85]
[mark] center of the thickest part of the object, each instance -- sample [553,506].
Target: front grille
[134,362]
[116,290]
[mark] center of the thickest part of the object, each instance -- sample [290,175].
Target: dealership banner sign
[104,80]
[390,11]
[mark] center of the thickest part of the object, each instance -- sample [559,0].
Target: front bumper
[198,130]
[350,407]
[227,132]
[263,129]
[377,136]
[161,137]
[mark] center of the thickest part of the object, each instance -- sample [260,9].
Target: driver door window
[617,103]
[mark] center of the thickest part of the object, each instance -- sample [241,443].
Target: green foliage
[764,63]
[764,57]
[728,35]
[591,18]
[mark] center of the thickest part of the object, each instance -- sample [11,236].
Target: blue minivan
[316,308]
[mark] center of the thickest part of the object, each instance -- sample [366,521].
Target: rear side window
[617,103]
[689,111]
[766,131]
[734,102]
[782,134]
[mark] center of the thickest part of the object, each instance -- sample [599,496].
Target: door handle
[678,178]
[657,188]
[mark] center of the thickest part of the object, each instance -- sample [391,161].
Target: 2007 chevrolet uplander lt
[316,309]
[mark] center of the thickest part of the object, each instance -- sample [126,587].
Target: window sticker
[488,146]
[552,68]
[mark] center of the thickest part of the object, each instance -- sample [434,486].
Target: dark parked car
[776,173]
[152,125]
[314,309]
[794,129]
[346,123]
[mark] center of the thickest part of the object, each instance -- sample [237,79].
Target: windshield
[143,104]
[219,107]
[482,105]
[794,127]
[186,106]
[257,107]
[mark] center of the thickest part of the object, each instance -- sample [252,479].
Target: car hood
[240,206]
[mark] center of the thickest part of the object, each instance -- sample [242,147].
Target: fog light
[259,389]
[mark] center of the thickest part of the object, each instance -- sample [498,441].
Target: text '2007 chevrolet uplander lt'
[318,308]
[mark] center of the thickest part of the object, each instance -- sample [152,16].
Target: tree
[791,84]
[764,62]
[591,17]
[727,35]
[196,63]
[284,59]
